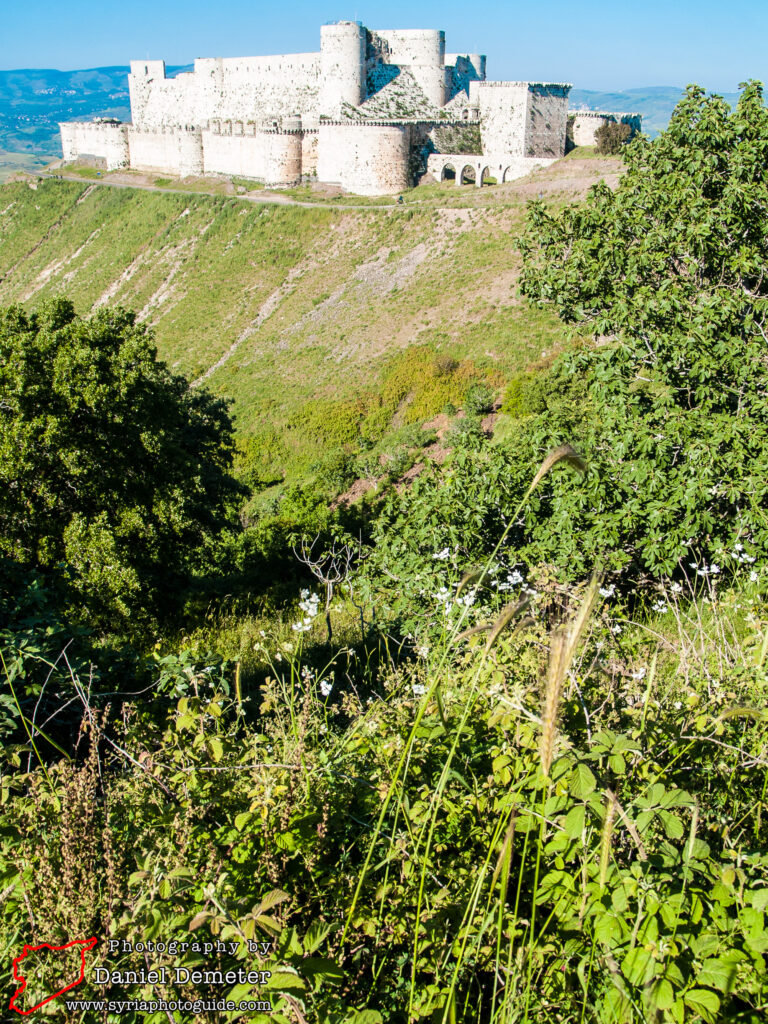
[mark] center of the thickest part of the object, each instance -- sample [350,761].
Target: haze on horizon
[606,46]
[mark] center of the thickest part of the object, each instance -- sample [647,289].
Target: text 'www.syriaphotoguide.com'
[153,1005]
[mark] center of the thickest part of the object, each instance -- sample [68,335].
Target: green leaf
[638,966]
[672,825]
[215,748]
[704,1002]
[663,995]
[582,781]
[574,821]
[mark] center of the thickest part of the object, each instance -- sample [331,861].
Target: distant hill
[655,103]
[33,101]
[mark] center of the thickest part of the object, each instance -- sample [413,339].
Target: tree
[669,273]
[112,468]
[611,137]
[668,404]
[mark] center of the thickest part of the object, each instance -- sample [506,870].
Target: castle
[372,111]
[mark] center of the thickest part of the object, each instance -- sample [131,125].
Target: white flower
[753,577]
[616,628]
[676,588]
[418,690]
[423,651]
[660,606]
[443,555]
[607,591]
[640,674]
[677,705]
[325,687]
[714,568]
[310,604]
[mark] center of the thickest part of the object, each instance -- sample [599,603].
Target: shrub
[524,395]
[336,470]
[478,399]
[674,423]
[611,136]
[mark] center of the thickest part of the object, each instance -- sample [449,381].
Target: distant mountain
[33,101]
[655,103]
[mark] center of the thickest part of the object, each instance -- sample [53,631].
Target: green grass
[348,290]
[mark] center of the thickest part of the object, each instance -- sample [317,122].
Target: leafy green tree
[110,465]
[611,137]
[668,404]
[668,272]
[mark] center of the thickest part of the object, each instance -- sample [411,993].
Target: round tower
[342,66]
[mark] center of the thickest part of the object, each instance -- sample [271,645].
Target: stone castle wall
[169,151]
[546,121]
[272,157]
[370,160]
[249,88]
[503,110]
[584,123]
[105,141]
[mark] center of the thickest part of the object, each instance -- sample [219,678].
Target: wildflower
[677,705]
[418,690]
[640,674]
[607,591]
[660,606]
[442,555]
[325,687]
[753,577]
[676,588]
[616,628]
[423,651]
[262,633]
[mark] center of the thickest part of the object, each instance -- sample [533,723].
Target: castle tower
[342,65]
[143,75]
[422,52]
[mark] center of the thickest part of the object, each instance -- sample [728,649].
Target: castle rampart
[583,124]
[362,112]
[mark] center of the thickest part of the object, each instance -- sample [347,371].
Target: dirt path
[267,198]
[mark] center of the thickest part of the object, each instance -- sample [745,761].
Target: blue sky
[597,45]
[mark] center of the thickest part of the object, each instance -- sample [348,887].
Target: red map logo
[83,944]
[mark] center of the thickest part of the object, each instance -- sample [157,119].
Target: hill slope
[278,306]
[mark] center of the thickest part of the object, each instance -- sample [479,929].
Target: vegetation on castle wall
[611,136]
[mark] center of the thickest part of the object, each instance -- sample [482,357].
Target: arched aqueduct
[471,170]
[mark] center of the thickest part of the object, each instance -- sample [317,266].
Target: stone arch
[448,173]
[468,175]
[505,175]
[486,178]
[465,114]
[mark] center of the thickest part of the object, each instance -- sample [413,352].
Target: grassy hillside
[277,306]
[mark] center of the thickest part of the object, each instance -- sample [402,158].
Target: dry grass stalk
[564,452]
[558,666]
[562,650]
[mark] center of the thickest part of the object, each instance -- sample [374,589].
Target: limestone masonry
[372,112]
